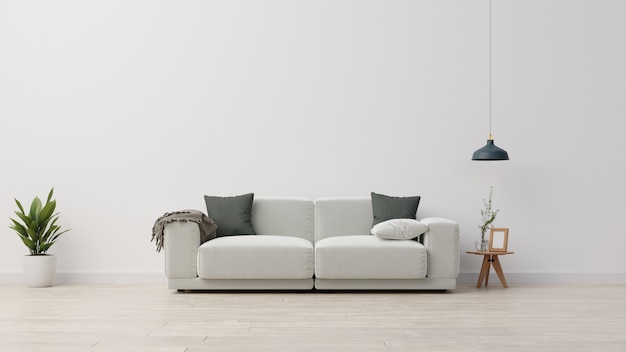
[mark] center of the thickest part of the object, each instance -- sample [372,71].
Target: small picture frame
[498,239]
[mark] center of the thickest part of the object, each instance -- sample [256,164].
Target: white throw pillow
[399,229]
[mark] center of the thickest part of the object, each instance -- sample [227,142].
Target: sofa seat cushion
[256,257]
[369,257]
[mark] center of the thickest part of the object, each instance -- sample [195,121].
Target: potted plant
[489,215]
[38,230]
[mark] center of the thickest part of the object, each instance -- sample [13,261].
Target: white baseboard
[92,278]
[464,278]
[550,278]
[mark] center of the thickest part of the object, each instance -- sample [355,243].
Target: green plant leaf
[19,228]
[34,235]
[44,248]
[33,225]
[23,217]
[30,244]
[35,209]
[55,236]
[46,213]
[19,205]
[50,195]
[55,217]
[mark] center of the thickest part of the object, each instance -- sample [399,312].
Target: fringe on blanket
[208,227]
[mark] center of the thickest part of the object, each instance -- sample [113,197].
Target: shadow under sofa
[302,244]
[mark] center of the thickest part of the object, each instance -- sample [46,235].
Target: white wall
[134,108]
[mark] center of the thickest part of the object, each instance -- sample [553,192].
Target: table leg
[498,267]
[484,272]
[489,260]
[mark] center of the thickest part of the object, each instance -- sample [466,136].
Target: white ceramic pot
[40,270]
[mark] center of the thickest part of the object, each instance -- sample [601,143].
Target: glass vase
[481,245]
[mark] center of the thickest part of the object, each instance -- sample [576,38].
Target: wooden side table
[488,258]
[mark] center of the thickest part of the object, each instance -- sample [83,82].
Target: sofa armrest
[181,242]
[443,248]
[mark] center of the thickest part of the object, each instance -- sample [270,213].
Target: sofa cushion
[284,216]
[342,216]
[369,257]
[399,229]
[256,257]
[233,215]
[386,207]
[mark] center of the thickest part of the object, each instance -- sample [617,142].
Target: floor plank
[137,317]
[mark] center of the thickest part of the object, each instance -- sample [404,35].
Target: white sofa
[301,244]
[348,257]
[279,257]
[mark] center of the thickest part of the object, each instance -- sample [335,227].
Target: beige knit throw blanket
[208,227]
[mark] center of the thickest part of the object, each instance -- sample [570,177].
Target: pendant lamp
[490,151]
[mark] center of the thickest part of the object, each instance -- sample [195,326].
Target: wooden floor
[153,318]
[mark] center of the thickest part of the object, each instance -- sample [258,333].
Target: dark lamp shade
[490,152]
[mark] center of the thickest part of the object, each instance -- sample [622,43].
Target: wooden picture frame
[498,239]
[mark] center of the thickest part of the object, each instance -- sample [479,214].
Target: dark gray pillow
[387,207]
[233,215]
